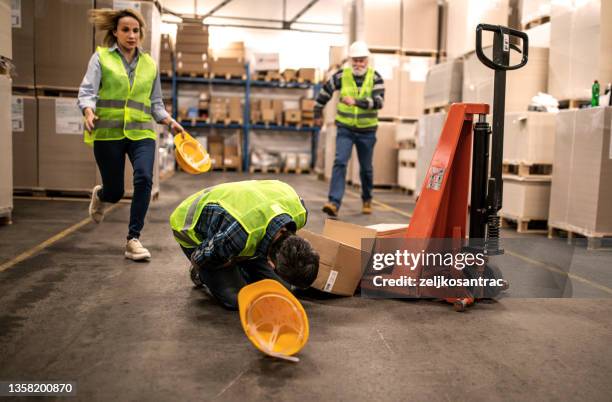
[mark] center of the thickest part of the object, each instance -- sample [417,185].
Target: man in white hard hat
[362,94]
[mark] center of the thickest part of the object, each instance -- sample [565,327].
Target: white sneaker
[96,206]
[135,251]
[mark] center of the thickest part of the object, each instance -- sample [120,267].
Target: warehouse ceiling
[308,15]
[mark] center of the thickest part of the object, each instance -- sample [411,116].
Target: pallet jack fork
[442,208]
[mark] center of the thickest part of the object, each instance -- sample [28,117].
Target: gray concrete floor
[79,311]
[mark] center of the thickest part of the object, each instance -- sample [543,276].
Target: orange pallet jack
[441,210]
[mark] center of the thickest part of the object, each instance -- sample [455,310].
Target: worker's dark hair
[106,19]
[295,260]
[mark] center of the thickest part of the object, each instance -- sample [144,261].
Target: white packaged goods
[525,197]
[444,83]
[539,36]
[529,138]
[521,85]
[531,10]
[581,194]
[419,25]
[266,61]
[463,17]
[580,43]
[406,177]
[381,23]
[388,66]
[6,44]
[405,131]
[430,128]
[6,147]
[413,72]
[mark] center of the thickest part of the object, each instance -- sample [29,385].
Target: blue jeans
[110,157]
[364,142]
[225,283]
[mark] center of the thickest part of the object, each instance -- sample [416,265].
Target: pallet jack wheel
[459,306]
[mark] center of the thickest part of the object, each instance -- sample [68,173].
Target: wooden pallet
[407,144]
[6,216]
[436,109]
[228,76]
[524,225]
[192,74]
[297,170]
[165,73]
[595,241]
[407,191]
[410,164]
[264,169]
[67,92]
[232,169]
[537,22]
[24,91]
[574,103]
[308,123]
[525,170]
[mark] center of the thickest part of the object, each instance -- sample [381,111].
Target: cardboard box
[231,156]
[23,43]
[6,146]
[408,155]
[290,74]
[268,115]
[529,138]
[534,9]
[265,103]
[525,197]
[65,162]
[216,160]
[191,29]
[235,109]
[266,61]
[580,43]
[234,50]
[444,83]
[388,66]
[413,71]
[192,39]
[419,25]
[342,260]
[6,44]
[191,47]
[385,157]
[429,130]
[215,145]
[307,105]
[152,17]
[406,177]
[65,22]
[198,68]
[330,149]
[405,131]
[293,116]
[462,18]
[382,27]
[521,85]
[25,141]
[307,74]
[191,57]
[580,195]
[228,66]
[389,230]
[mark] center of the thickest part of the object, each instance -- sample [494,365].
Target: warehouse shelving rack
[246,126]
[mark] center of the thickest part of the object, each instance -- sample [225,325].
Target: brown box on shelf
[215,145]
[307,105]
[188,38]
[64,161]
[191,57]
[235,109]
[228,66]
[65,22]
[23,46]
[191,47]
[289,74]
[216,160]
[191,68]
[307,74]
[25,141]
[191,29]
[265,103]
[231,156]
[293,116]
[256,116]
[232,50]
[268,115]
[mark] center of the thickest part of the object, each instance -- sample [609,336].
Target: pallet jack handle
[505,33]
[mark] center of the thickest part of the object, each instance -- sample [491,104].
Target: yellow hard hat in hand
[190,154]
[273,319]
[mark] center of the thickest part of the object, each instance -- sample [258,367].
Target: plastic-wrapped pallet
[521,85]
[581,194]
[444,83]
[430,128]
[580,43]
[529,138]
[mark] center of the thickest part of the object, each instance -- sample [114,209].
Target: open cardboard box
[342,259]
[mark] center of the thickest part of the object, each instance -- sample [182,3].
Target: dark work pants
[225,283]
[110,157]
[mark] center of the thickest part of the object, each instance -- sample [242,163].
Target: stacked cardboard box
[533,10]
[234,114]
[307,109]
[580,43]
[24,118]
[5,30]
[525,198]
[388,66]
[255,111]
[307,75]
[152,19]
[233,50]
[192,49]
[6,140]
[23,43]
[413,72]
[293,116]
[385,157]
[166,55]
[204,105]
[65,162]
[265,62]
[581,196]
[429,130]
[290,75]
[521,85]
[231,156]
[443,85]
[529,138]
[216,151]
[218,109]
[382,27]
[419,25]
[405,136]
[227,67]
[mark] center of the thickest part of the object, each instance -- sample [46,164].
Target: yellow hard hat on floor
[190,154]
[273,319]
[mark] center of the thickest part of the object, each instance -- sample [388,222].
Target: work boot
[366,208]
[330,209]
[135,251]
[194,274]
[96,206]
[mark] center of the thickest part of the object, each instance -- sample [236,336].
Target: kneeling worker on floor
[242,232]
[362,93]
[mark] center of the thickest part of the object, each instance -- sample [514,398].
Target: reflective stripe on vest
[124,110]
[252,203]
[354,116]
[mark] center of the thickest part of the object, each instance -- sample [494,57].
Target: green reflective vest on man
[252,203]
[354,116]
[124,110]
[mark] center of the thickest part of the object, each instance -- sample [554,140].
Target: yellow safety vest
[354,116]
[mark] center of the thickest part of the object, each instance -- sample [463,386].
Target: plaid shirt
[223,237]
